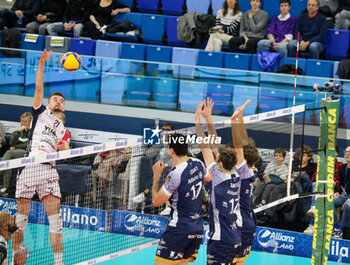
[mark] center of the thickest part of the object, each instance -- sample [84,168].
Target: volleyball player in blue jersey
[224,210]
[183,186]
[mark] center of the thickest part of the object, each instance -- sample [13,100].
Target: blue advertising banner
[138,224]
[72,217]
[297,244]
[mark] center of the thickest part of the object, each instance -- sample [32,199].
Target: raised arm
[205,148]
[238,139]
[206,113]
[39,82]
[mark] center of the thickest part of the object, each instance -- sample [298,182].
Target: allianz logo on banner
[277,240]
[142,224]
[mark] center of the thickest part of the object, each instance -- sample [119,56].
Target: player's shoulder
[196,161]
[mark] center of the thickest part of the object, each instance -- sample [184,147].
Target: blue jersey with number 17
[185,184]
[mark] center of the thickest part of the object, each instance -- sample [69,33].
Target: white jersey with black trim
[46,130]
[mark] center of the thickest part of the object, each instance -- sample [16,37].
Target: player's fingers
[246,103]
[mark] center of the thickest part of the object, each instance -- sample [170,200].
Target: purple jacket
[279,29]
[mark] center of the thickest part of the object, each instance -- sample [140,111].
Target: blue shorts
[177,246]
[220,252]
[243,250]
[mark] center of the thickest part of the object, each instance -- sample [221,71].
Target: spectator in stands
[280,31]
[228,20]
[2,135]
[75,16]
[312,27]
[341,197]
[328,9]
[18,147]
[51,11]
[344,67]
[342,16]
[101,16]
[21,13]
[252,29]
[276,173]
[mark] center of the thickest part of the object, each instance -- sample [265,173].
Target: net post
[324,217]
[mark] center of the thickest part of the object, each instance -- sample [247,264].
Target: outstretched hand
[21,255]
[197,115]
[208,108]
[240,109]
[45,56]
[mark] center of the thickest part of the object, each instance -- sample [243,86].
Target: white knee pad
[55,222]
[21,222]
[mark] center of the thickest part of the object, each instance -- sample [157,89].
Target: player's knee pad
[55,222]
[21,222]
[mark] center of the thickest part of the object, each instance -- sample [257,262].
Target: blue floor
[146,257]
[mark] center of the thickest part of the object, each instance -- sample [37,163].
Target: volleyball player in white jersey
[46,135]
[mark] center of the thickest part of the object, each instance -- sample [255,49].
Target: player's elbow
[156,202]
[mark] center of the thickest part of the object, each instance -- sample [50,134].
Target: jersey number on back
[196,189]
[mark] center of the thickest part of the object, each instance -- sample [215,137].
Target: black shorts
[177,246]
[220,252]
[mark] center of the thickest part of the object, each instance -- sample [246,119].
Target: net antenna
[293,122]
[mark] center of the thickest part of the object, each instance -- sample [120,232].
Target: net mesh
[106,202]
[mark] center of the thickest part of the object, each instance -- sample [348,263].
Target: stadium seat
[158,54]
[173,7]
[135,19]
[128,3]
[113,88]
[138,90]
[83,46]
[272,99]
[297,6]
[216,5]
[239,61]
[345,85]
[165,92]
[190,94]
[337,43]
[131,51]
[241,94]
[211,59]
[32,42]
[57,44]
[12,79]
[321,68]
[272,8]
[184,56]
[222,96]
[283,79]
[153,28]
[110,49]
[171,32]
[200,6]
[148,6]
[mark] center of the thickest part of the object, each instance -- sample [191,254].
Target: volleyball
[71,61]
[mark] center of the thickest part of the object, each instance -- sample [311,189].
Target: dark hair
[228,158]
[168,124]
[177,142]
[230,145]
[235,10]
[337,149]
[285,1]
[306,150]
[56,94]
[280,150]
[251,155]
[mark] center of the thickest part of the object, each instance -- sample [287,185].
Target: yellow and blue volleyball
[71,61]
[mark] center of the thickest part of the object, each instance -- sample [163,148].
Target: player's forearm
[242,130]
[155,190]
[39,85]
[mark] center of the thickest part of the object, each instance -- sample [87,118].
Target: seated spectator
[341,197]
[75,16]
[2,135]
[312,27]
[252,29]
[101,16]
[328,9]
[280,31]
[275,174]
[342,17]
[344,67]
[18,147]
[51,11]
[21,13]
[228,20]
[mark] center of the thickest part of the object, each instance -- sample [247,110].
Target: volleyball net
[106,203]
